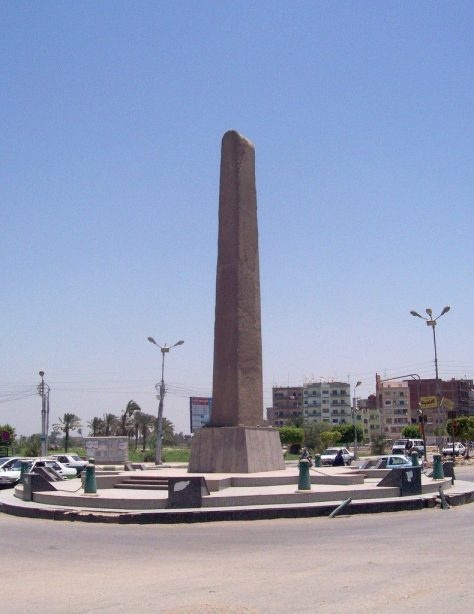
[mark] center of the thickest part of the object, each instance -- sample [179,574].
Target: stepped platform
[142,496]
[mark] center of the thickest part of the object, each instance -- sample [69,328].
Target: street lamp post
[421,420]
[430,321]
[43,391]
[162,391]
[354,401]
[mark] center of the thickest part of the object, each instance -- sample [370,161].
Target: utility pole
[43,391]
[354,409]
[162,391]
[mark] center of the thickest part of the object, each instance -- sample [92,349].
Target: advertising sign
[428,402]
[200,412]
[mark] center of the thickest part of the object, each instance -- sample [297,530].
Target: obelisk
[235,441]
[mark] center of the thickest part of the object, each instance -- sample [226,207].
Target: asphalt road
[386,563]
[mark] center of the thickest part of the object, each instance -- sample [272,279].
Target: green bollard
[438,473]
[415,459]
[23,470]
[90,485]
[304,481]
[317,460]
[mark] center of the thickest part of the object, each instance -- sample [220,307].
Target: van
[400,446]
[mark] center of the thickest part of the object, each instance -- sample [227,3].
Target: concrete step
[135,486]
[146,481]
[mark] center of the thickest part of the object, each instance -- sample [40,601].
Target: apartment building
[368,418]
[458,392]
[287,405]
[327,402]
[393,403]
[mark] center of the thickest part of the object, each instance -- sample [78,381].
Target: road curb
[220,515]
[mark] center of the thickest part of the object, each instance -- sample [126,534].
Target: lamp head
[151,340]
[445,310]
[41,373]
[415,313]
[429,311]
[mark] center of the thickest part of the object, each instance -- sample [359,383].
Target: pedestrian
[338,459]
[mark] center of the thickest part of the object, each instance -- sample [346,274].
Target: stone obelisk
[235,441]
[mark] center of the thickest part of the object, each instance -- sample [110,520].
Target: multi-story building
[368,418]
[327,402]
[455,396]
[393,403]
[287,405]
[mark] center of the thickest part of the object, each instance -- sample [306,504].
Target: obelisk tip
[233,135]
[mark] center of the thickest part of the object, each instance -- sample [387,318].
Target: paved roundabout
[143,496]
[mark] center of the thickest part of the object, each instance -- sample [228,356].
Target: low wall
[107,450]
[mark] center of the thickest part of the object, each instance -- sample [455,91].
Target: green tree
[145,424]
[314,435]
[291,435]
[110,424]
[29,446]
[411,431]
[96,426]
[378,445]
[330,438]
[348,434]
[126,419]
[66,424]
[168,433]
[462,428]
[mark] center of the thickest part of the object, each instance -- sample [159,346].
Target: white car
[7,461]
[71,460]
[459,449]
[65,472]
[328,456]
[11,476]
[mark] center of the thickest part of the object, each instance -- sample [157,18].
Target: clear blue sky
[111,118]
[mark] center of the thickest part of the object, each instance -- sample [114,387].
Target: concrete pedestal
[236,449]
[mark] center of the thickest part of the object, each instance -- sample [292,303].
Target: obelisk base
[236,449]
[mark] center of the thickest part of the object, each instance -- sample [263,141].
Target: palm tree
[145,424]
[169,437]
[69,422]
[110,424]
[126,423]
[96,426]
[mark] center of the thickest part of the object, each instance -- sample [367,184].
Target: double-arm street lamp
[430,321]
[354,409]
[162,391]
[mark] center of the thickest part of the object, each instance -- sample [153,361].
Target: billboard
[428,402]
[200,412]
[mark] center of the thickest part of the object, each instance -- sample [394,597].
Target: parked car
[11,476]
[400,446]
[459,449]
[328,456]
[71,460]
[396,461]
[7,461]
